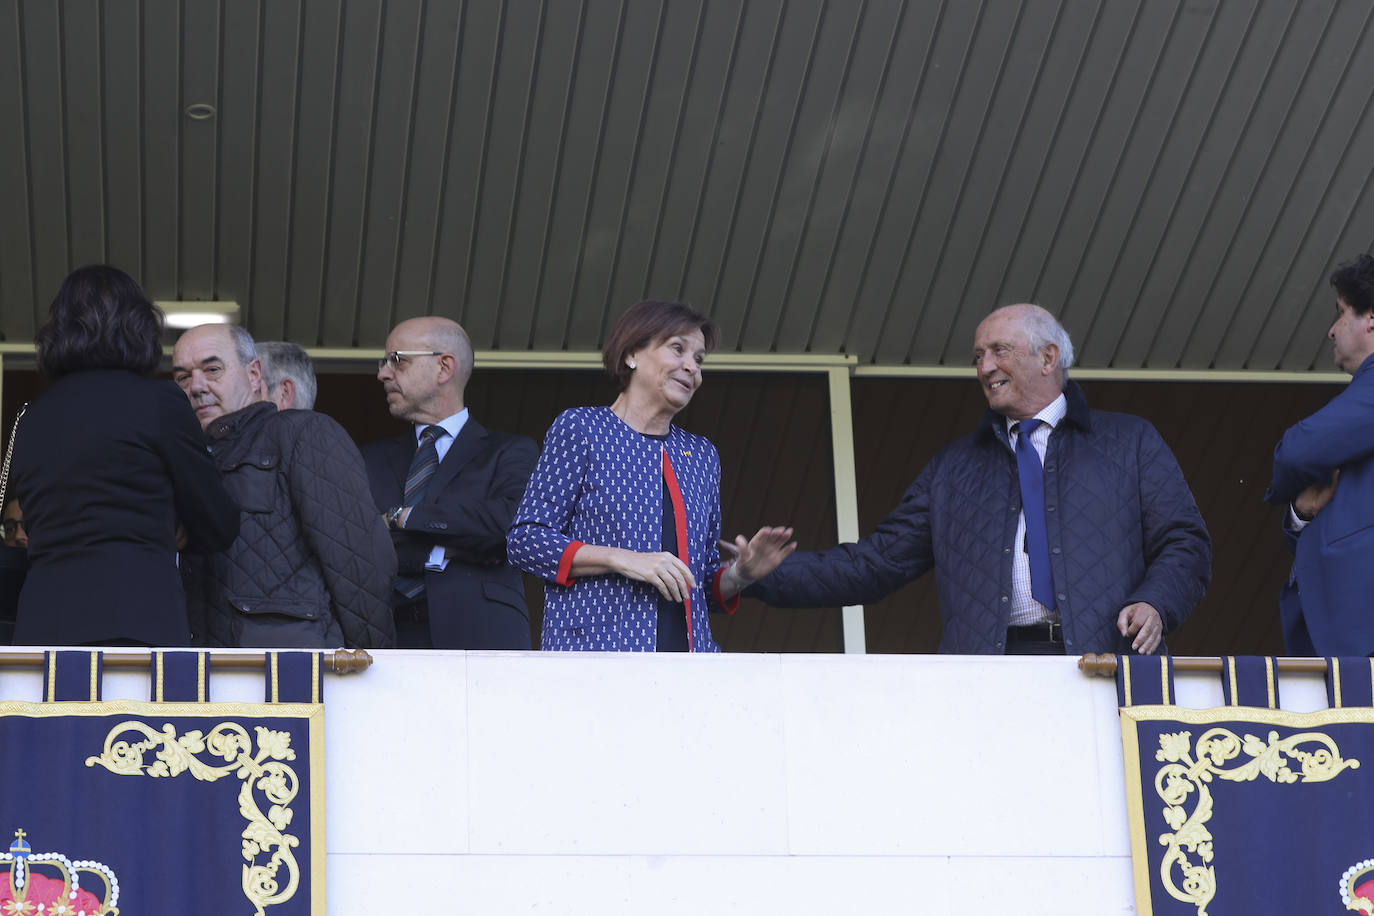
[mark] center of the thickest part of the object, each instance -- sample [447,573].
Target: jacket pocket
[1345,523]
[504,594]
[300,609]
[252,482]
[283,623]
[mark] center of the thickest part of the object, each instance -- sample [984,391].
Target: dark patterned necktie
[1032,475]
[422,468]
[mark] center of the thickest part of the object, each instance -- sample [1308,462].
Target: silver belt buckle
[1056,632]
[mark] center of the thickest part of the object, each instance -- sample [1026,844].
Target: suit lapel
[469,442]
[402,450]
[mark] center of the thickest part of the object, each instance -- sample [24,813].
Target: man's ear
[287,389]
[1049,358]
[448,365]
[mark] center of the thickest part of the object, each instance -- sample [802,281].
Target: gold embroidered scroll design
[262,770]
[1188,769]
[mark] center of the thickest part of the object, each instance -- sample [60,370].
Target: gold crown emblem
[1357,887]
[49,884]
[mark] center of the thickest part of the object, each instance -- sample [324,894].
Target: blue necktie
[422,468]
[1032,475]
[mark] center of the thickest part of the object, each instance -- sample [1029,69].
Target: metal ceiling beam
[358,358]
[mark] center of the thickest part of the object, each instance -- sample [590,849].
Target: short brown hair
[649,322]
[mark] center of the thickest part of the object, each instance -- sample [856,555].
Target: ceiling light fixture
[193,314]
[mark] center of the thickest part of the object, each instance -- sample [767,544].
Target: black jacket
[105,465]
[478,601]
[312,564]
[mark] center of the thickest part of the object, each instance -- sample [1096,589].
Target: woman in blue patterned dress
[622,513]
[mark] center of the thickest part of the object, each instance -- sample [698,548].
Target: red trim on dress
[680,523]
[565,563]
[730,606]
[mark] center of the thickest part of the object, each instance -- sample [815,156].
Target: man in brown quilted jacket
[313,563]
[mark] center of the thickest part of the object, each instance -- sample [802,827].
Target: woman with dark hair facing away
[107,463]
[622,513]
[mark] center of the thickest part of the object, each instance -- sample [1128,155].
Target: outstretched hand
[755,558]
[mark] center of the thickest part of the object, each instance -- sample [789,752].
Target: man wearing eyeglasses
[13,520]
[447,488]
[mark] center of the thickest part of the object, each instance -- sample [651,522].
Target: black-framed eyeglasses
[398,358]
[12,526]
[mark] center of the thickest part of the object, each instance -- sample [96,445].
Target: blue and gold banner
[1247,808]
[177,805]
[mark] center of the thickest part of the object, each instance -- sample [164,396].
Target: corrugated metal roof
[869,177]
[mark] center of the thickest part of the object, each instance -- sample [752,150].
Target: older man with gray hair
[1051,529]
[288,375]
[312,564]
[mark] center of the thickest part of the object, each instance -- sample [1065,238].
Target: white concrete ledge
[790,784]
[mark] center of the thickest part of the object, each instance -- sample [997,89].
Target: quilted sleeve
[538,541]
[1178,550]
[332,500]
[898,551]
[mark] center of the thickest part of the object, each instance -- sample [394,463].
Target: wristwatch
[393,518]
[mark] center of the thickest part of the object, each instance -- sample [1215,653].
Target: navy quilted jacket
[1123,527]
[313,563]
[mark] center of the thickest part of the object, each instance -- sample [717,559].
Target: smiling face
[1017,381]
[668,372]
[205,365]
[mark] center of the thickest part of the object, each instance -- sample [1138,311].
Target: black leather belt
[1037,632]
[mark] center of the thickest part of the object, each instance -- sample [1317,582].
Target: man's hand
[753,559]
[1143,622]
[1314,498]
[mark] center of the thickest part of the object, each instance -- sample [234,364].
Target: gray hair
[243,344]
[1043,328]
[282,359]
[451,338]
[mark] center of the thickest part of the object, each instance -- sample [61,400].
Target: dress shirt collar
[1052,415]
[993,426]
[452,425]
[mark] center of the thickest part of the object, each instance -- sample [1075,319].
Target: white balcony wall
[750,784]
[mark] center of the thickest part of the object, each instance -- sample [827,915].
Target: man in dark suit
[1324,474]
[447,488]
